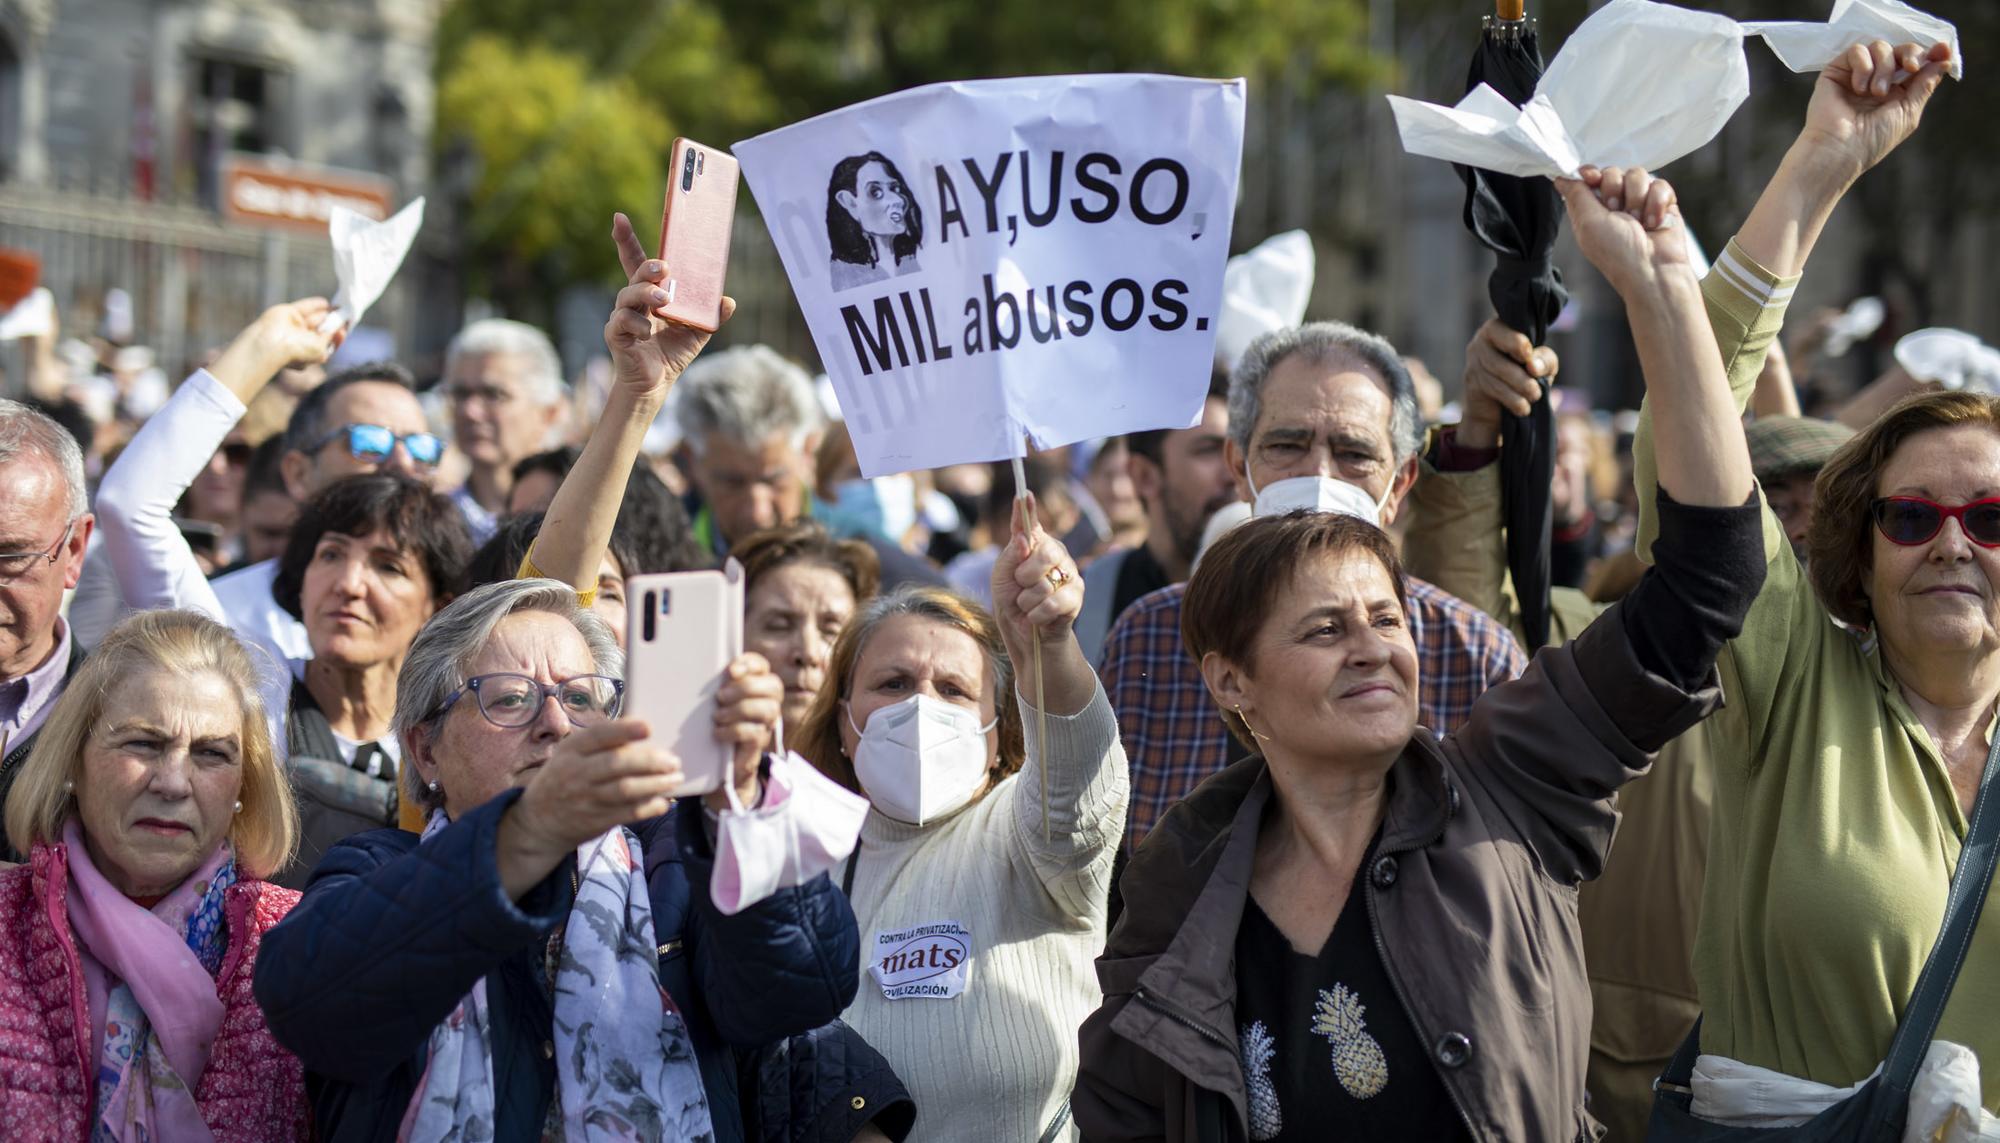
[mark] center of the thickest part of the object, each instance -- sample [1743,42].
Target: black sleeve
[1708,566]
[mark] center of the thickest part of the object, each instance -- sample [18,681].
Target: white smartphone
[682,630]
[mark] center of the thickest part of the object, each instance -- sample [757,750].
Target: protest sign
[978,261]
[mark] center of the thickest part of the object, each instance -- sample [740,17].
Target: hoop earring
[1247,726]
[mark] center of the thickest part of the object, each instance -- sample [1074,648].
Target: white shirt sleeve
[135,500]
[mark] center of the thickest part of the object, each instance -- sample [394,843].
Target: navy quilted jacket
[390,937]
[823,1087]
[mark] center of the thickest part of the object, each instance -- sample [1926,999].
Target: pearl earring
[69,788]
[239,806]
[432,787]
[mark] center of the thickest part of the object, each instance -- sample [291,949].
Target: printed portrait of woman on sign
[872,222]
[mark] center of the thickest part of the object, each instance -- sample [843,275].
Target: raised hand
[1036,588]
[1503,374]
[1628,224]
[648,352]
[746,716]
[1870,99]
[282,337]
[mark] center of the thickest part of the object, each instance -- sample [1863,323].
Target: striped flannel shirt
[1173,732]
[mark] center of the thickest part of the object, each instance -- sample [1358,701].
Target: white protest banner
[982,260]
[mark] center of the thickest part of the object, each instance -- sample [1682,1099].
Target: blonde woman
[151,810]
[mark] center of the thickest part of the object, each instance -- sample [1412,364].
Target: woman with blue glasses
[370,560]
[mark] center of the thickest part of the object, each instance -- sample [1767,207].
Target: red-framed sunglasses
[1913,520]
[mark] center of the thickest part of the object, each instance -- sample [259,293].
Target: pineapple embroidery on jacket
[1266,1119]
[1357,1059]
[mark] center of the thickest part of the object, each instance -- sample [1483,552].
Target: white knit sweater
[996,1062]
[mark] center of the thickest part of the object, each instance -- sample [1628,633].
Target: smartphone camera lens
[646,620]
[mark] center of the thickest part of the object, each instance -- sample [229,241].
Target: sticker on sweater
[929,961]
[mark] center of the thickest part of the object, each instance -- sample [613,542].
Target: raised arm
[152,561]
[1629,226]
[1037,593]
[648,354]
[1858,114]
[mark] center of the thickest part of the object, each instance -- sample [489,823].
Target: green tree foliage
[580,93]
[557,148]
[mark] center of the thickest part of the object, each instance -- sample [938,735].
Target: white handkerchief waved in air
[1637,84]
[1806,46]
[1641,84]
[366,256]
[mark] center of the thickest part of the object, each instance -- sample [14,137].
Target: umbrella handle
[1510,9]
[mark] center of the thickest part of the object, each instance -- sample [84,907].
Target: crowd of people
[1206,790]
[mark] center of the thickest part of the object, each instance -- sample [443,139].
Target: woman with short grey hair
[438,661]
[438,984]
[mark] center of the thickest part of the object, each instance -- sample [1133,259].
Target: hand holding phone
[694,234]
[748,709]
[683,632]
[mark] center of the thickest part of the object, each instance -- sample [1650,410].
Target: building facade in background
[185,151]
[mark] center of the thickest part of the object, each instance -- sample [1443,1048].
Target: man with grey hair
[505,384]
[45,525]
[751,425]
[1322,417]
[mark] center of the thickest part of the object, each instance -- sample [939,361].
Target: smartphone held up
[694,234]
[683,629]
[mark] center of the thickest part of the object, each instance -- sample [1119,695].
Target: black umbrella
[1517,219]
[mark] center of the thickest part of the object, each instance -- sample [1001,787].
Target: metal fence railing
[194,280]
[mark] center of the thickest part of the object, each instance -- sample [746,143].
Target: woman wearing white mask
[980,880]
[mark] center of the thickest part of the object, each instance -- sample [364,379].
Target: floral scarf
[619,1074]
[150,976]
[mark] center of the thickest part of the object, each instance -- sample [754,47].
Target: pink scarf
[145,949]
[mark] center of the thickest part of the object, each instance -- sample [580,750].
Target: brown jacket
[1473,893]
[1639,918]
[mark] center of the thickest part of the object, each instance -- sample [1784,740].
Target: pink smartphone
[683,629]
[694,233]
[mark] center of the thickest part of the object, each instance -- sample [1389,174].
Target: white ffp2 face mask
[921,758]
[1317,494]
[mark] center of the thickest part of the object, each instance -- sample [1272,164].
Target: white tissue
[1857,322]
[366,256]
[1637,84]
[32,316]
[1641,84]
[1952,358]
[1805,46]
[1263,288]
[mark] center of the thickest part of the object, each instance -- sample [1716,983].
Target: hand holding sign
[648,352]
[1036,587]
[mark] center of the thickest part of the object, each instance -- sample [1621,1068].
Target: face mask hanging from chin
[1317,494]
[920,759]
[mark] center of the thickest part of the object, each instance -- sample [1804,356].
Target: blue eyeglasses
[373,444]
